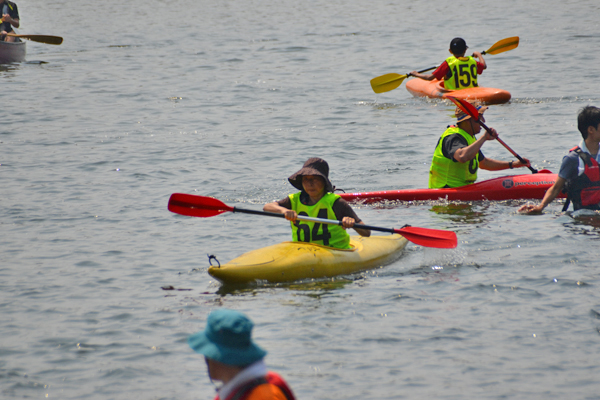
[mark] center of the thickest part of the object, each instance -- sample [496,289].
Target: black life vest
[584,191]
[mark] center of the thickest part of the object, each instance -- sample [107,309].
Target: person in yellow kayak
[316,199]
[579,170]
[457,71]
[458,155]
[234,359]
[10,18]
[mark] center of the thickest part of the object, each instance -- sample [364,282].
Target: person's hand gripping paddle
[471,110]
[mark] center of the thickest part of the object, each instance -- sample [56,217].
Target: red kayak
[512,187]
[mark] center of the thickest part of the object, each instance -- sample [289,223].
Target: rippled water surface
[227,99]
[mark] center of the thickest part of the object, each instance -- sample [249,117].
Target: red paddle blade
[467,107]
[196,206]
[429,237]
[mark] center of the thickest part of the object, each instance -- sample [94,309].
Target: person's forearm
[427,77]
[483,63]
[495,165]
[490,164]
[468,153]
[480,58]
[274,207]
[550,195]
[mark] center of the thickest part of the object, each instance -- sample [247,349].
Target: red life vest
[271,378]
[584,191]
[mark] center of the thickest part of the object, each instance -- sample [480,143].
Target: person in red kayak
[234,359]
[316,199]
[457,71]
[579,171]
[458,155]
[10,18]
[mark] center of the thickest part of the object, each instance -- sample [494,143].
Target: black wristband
[510,165]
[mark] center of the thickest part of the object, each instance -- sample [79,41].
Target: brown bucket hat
[313,166]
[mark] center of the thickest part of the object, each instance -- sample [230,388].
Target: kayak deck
[291,261]
[435,89]
[514,187]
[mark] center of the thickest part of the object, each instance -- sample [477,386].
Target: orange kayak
[435,89]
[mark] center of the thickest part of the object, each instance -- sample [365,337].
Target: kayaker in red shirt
[580,171]
[457,71]
[316,199]
[234,359]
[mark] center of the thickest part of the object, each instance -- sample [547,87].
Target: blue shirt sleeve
[569,168]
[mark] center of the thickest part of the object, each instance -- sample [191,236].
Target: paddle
[201,206]
[40,38]
[470,109]
[503,45]
[387,82]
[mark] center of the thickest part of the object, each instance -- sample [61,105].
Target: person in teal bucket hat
[233,358]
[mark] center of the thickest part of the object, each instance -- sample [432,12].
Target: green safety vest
[445,172]
[464,73]
[315,232]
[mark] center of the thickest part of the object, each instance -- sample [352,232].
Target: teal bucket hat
[227,338]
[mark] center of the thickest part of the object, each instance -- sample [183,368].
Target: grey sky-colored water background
[229,98]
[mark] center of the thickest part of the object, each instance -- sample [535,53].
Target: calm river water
[229,98]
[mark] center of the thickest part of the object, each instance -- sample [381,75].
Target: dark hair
[458,46]
[588,116]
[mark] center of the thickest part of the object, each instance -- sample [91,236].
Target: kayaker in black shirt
[457,156]
[316,199]
[10,19]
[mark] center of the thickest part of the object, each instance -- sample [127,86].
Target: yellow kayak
[291,261]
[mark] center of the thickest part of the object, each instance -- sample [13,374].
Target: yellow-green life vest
[315,232]
[445,172]
[464,73]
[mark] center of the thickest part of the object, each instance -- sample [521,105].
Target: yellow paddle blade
[503,45]
[387,82]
